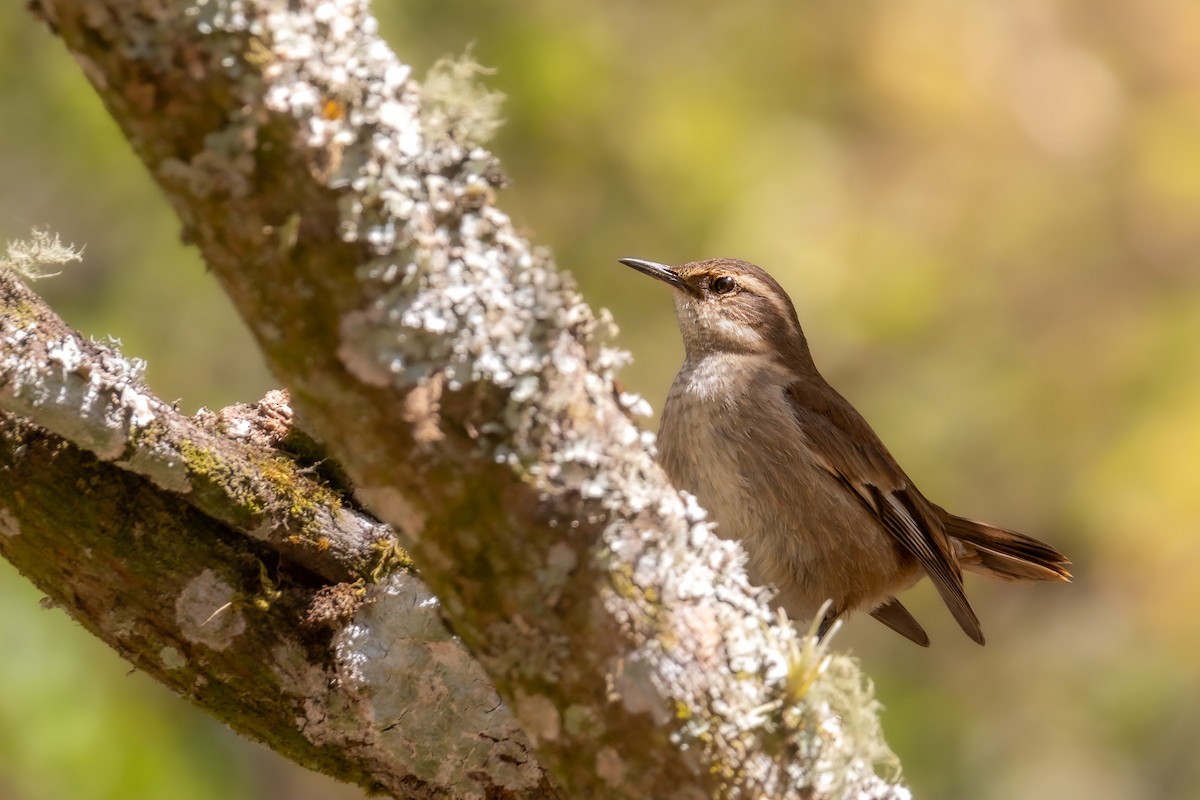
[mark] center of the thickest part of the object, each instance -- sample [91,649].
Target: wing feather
[854,456]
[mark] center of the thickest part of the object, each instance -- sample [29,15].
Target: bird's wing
[853,455]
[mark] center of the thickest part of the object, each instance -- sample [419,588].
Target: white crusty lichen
[456,289]
[85,391]
[91,396]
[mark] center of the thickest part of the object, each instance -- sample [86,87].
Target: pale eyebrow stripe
[763,289]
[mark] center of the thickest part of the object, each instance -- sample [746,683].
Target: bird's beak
[656,270]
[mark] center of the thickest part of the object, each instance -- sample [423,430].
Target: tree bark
[221,555]
[468,393]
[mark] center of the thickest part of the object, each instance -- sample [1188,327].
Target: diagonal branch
[213,556]
[349,214]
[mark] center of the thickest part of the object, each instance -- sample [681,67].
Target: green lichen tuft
[204,466]
[149,435]
[268,589]
[389,557]
[300,497]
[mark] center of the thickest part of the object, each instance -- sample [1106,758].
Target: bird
[784,463]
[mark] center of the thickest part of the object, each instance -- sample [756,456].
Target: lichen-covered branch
[211,553]
[350,215]
[91,396]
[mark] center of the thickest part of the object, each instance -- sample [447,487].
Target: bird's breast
[729,436]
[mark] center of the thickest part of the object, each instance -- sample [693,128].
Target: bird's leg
[827,621]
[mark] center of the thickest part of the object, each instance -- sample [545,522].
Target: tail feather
[1002,553]
[896,617]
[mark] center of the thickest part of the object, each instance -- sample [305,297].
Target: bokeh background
[988,214]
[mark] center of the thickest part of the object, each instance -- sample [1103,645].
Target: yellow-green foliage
[300,499]
[389,557]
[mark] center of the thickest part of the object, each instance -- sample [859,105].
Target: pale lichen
[9,524]
[31,258]
[399,632]
[171,658]
[206,611]
[538,715]
[456,104]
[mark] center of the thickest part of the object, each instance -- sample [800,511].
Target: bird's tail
[1002,553]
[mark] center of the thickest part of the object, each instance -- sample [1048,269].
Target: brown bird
[785,464]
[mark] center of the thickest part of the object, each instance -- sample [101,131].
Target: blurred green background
[988,214]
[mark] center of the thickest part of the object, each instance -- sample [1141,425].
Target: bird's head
[729,306]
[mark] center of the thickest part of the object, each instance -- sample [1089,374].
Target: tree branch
[468,392]
[209,556]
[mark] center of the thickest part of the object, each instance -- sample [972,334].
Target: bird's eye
[723,284]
